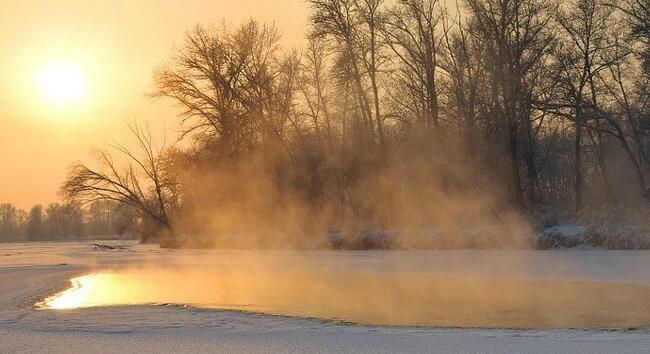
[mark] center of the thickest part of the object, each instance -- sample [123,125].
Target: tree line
[395,114]
[68,221]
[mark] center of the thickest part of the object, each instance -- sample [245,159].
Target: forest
[69,221]
[400,124]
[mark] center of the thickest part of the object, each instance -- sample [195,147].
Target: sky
[111,49]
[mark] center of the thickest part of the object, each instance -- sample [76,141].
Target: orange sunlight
[62,82]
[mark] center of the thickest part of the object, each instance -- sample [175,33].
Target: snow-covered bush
[608,230]
[566,236]
[623,230]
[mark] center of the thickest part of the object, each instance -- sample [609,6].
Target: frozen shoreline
[29,272]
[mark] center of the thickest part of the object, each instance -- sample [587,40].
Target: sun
[62,82]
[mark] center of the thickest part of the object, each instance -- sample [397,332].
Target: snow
[29,272]
[565,236]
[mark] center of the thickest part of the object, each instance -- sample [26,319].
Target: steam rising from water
[265,201]
[378,299]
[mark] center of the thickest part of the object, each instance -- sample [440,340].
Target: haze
[116,44]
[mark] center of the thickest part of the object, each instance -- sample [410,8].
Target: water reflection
[383,299]
[74,297]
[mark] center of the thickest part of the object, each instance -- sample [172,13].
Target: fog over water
[390,292]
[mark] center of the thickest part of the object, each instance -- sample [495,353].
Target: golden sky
[115,45]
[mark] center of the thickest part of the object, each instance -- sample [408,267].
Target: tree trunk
[517,195]
[577,162]
[598,147]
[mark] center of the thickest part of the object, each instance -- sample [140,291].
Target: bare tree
[140,180]
[227,83]
[414,32]
[352,27]
[372,54]
[12,222]
[585,51]
[314,86]
[515,36]
[466,80]
[637,14]
[627,112]
[35,226]
[63,221]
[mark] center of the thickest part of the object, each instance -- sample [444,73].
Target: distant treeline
[497,115]
[65,222]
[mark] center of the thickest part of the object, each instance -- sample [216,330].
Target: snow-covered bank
[28,272]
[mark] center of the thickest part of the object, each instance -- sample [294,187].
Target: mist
[502,290]
[381,133]
[266,201]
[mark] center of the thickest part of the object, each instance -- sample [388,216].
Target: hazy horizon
[117,45]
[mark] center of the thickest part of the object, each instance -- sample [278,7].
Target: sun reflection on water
[110,289]
[73,297]
[397,299]
[82,293]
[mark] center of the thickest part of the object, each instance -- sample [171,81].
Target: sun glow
[73,297]
[62,82]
